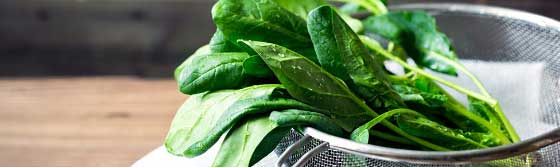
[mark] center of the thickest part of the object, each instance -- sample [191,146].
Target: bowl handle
[306,157]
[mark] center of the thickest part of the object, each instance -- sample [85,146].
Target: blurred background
[125,37]
[89,82]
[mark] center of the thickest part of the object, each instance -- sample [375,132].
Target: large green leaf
[205,71]
[300,8]
[418,34]
[341,53]
[293,117]
[204,117]
[248,142]
[200,52]
[310,84]
[263,20]
[439,134]
[219,43]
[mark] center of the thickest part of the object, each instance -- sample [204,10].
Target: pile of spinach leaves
[274,65]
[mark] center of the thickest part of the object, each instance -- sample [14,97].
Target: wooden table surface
[85,122]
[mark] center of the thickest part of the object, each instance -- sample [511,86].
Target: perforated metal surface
[487,36]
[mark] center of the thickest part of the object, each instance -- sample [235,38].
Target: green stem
[361,134]
[460,109]
[496,106]
[509,128]
[390,137]
[464,70]
[399,131]
[388,55]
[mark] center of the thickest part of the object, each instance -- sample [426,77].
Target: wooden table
[88,121]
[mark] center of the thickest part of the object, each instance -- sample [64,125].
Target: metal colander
[478,33]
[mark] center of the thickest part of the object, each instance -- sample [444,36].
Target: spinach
[204,117]
[330,78]
[439,134]
[412,96]
[248,142]
[211,71]
[262,20]
[309,83]
[255,66]
[200,52]
[294,117]
[340,52]
[417,33]
[352,8]
[361,134]
[300,8]
[219,43]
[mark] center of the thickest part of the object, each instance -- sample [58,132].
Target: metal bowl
[490,34]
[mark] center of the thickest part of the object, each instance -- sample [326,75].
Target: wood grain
[101,121]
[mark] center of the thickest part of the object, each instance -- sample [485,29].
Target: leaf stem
[496,106]
[391,137]
[509,128]
[388,55]
[464,70]
[399,131]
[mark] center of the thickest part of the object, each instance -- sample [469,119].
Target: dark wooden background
[125,37]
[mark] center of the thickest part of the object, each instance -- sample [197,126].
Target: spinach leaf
[300,8]
[417,33]
[211,71]
[219,43]
[411,95]
[294,117]
[390,137]
[309,83]
[352,8]
[248,142]
[255,66]
[200,52]
[377,7]
[204,117]
[483,110]
[457,113]
[263,20]
[439,134]
[340,52]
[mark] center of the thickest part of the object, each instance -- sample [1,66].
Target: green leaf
[255,66]
[242,146]
[377,7]
[200,52]
[351,8]
[309,83]
[205,71]
[361,134]
[411,95]
[204,117]
[483,110]
[219,43]
[439,134]
[294,117]
[418,34]
[341,52]
[300,8]
[263,20]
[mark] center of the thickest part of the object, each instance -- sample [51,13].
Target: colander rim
[465,156]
